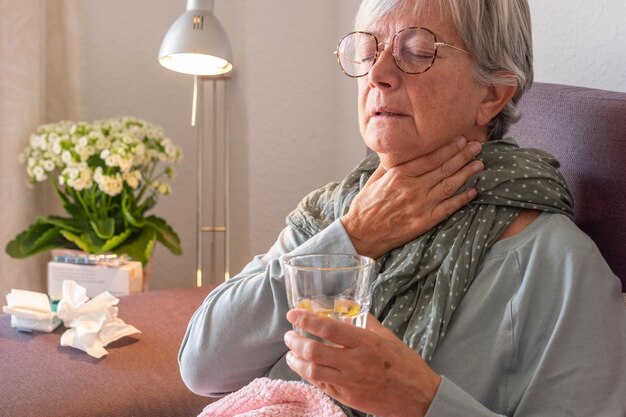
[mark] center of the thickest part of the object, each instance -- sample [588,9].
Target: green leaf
[165,234]
[139,248]
[36,239]
[72,225]
[115,241]
[84,241]
[104,228]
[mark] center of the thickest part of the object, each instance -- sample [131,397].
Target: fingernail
[477,166]
[292,316]
[289,357]
[475,147]
[460,142]
[472,192]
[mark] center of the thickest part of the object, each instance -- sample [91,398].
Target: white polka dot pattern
[419,285]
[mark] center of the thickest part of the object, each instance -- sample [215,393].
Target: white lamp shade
[196,43]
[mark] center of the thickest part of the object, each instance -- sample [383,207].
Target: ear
[496,97]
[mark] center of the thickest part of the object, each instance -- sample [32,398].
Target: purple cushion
[586,130]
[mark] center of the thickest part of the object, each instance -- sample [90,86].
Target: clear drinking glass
[331,285]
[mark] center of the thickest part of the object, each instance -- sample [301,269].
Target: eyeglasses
[414,50]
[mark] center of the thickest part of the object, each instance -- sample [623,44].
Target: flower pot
[147,272]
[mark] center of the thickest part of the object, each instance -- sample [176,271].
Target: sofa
[584,128]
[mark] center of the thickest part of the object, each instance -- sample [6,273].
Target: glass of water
[331,285]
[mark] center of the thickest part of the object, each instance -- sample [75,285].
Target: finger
[313,351]
[449,186]
[456,163]
[377,174]
[450,205]
[433,160]
[377,327]
[312,371]
[327,328]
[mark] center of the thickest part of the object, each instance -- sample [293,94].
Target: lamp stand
[197,119]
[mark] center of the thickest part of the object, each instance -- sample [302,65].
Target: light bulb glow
[200,64]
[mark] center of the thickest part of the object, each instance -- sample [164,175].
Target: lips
[387,112]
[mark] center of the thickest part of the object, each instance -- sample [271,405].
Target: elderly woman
[488,300]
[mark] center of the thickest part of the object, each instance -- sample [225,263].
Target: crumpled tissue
[92,324]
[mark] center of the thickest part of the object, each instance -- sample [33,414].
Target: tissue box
[30,311]
[41,325]
[122,280]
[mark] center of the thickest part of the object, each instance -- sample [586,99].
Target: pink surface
[264,397]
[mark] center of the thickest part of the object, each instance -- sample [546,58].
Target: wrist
[422,396]
[352,227]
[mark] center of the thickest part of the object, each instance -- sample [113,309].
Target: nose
[384,74]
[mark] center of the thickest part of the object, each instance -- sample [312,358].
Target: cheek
[362,103]
[443,111]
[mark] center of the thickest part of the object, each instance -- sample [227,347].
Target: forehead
[428,15]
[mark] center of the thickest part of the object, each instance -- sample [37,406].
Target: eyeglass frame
[379,51]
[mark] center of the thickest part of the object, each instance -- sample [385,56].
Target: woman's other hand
[370,370]
[401,203]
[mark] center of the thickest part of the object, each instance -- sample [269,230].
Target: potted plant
[107,175]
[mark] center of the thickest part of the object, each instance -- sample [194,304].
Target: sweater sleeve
[237,333]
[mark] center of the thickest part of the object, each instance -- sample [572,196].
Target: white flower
[131,179]
[37,142]
[171,150]
[56,147]
[101,157]
[111,185]
[102,143]
[97,175]
[125,164]
[48,165]
[112,160]
[39,174]
[164,189]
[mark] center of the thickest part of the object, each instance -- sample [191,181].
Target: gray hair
[496,32]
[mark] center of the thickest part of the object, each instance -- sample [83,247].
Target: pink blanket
[265,397]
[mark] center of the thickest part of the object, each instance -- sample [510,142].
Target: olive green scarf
[420,284]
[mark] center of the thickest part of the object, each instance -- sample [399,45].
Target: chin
[386,142]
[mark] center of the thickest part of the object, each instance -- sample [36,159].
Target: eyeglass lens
[413,51]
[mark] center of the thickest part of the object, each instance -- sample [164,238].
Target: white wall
[293,113]
[580,42]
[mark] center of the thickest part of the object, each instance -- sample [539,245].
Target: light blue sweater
[541,331]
